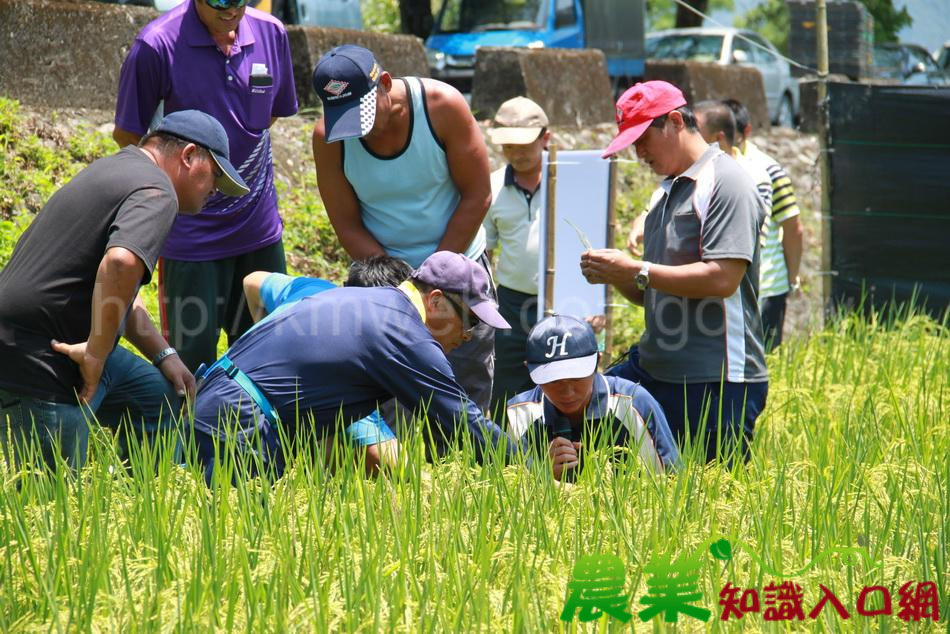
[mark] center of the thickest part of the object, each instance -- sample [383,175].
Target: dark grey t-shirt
[124,200]
[711,211]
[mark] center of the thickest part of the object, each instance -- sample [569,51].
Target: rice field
[852,451]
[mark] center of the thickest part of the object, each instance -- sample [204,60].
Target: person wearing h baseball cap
[72,284]
[403,170]
[360,347]
[698,280]
[573,405]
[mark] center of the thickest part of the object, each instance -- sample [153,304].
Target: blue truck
[462,26]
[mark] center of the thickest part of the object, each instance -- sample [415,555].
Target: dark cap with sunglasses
[454,273]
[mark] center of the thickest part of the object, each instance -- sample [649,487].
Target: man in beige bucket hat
[512,223]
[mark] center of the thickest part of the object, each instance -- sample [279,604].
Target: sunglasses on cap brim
[221,5]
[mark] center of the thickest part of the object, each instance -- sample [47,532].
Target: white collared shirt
[513,223]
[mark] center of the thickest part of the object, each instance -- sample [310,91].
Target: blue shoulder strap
[246,383]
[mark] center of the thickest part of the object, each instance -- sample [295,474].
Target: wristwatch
[643,277]
[161,356]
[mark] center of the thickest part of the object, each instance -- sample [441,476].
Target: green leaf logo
[721,549]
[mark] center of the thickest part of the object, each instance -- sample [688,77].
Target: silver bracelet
[161,356]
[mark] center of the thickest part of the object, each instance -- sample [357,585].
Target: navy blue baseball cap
[346,79]
[561,347]
[202,129]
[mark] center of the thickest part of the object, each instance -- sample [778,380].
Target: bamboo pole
[821,33]
[611,239]
[550,213]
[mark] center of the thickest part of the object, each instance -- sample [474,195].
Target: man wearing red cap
[701,354]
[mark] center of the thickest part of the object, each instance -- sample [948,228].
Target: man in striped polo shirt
[701,354]
[782,234]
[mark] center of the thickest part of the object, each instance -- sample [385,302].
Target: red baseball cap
[638,107]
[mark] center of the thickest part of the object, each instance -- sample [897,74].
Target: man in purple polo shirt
[232,62]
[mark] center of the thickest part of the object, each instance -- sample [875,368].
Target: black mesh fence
[890,194]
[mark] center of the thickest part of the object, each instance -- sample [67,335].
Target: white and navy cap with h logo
[346,79]
[561,347]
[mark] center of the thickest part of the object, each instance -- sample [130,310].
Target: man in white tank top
[408,177]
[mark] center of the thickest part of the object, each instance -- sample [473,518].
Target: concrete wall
[399,54]
[700,81]
[67,55]
[809,92]
[571,85]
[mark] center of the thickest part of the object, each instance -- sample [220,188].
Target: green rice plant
[852,450]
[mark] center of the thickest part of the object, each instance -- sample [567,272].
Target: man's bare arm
[141,332]
[117,280]
[342,205]
[124,137]
[252,292]
[711,278]
[793,243]
[468,163]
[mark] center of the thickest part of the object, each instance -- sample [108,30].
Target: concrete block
[400,55]
[571,85]
[701,80]
[809,110]
[66,55]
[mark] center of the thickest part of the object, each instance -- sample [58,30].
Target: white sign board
[582,198]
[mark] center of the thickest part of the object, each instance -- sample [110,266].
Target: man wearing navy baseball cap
[360,347]
[347,80]
[70,291]
[205,131]
[699,278]
[574,406]
[402,168]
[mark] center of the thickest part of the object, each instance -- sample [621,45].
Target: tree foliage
[381,16]
[888,20]
[770,18]
[666,14]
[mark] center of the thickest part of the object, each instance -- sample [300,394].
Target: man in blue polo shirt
[338,354]
[573,405]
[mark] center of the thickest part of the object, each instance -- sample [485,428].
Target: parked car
[942,56]
[734,46]
[462,26]
[909,64]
